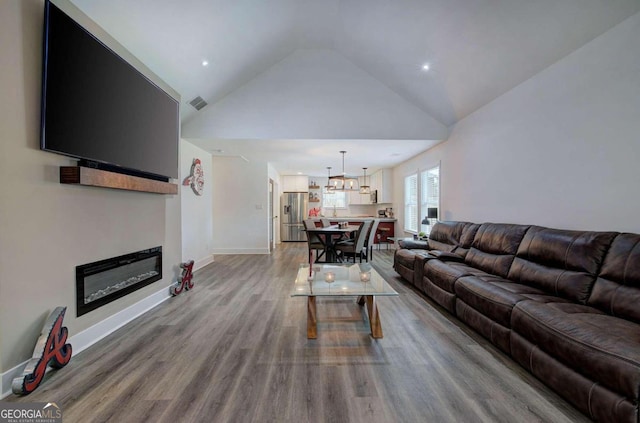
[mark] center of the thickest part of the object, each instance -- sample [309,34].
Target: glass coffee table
[341,280]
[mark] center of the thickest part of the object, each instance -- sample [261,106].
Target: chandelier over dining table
[342,182]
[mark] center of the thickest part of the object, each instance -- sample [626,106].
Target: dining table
[331,236]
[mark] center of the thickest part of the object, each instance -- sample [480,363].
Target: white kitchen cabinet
[382,181]
[373,181]
[295,183]
[355,198]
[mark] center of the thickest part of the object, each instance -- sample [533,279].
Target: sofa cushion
[466,238]
[604,348]
[617,288]
[445,274]
[495,297]
[445,256]
[495,246]
[445,236]
[561,262]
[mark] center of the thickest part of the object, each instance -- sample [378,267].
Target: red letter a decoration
[185,280]
[50,349]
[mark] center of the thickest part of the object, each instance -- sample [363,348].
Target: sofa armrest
[412,244]
[418,269]
[445,256]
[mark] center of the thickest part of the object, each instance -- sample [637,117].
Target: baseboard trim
[242,251]
[8,376]
[199,264]
[83,340]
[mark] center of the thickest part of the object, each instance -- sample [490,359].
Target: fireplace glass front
[104,281]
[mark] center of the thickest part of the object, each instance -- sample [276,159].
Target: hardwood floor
[235,349]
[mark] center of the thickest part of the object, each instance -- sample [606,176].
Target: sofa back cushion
[469,231]
[563,263]
[617,287]
[495,246]
[445,236]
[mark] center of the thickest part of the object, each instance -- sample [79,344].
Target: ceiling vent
[198,103]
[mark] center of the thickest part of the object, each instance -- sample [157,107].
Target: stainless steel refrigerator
[293,212]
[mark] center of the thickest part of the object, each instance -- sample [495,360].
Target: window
[429,195]
[337,199]
[411,203]
[421,194]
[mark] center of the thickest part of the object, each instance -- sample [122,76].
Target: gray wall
[46,228]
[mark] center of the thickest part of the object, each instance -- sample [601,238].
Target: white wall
[314,94]
[240,201]
[560,150]
[197,210]
[46,229]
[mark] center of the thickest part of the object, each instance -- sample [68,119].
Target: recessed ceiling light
[205,63]
[217,150]
[425,67]
[299,173]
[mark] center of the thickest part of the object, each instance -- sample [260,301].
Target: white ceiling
[477,50]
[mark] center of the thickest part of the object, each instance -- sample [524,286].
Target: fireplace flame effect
[120,285]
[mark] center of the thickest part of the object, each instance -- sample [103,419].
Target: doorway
[272,217]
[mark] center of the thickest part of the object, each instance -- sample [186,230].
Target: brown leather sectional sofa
[564,304]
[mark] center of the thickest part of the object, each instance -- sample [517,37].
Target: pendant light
[364,188]
[343,182]
[329,187]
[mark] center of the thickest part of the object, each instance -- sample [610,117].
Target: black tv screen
[98,107]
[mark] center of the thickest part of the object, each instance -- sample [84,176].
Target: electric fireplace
[101,282]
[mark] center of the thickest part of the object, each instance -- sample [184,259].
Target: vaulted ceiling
[300,71]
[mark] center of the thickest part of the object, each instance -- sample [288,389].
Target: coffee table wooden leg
[312,331]
[374,316]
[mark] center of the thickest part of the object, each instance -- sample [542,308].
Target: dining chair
[313,240]
[350,237]
[368,246]
[325,222]
[356,247]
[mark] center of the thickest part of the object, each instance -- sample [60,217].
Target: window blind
[411,203]
[429,194]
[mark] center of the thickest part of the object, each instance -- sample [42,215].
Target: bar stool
[379,237]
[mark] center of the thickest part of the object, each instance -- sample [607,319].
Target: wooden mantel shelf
[101,178]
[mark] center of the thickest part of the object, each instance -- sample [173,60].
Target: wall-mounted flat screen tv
[97,107]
